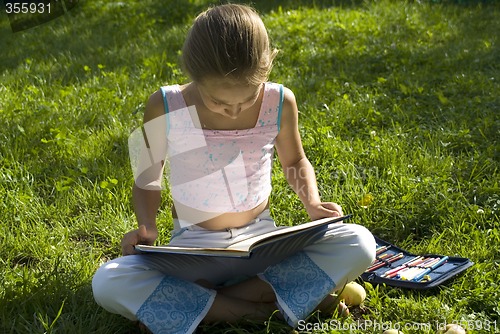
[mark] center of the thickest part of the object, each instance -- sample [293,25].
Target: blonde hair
[228,41]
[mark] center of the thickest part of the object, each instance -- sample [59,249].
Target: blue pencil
[420,276]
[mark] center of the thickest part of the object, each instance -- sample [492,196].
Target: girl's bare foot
[332,305]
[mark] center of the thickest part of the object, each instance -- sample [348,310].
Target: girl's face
[227,99]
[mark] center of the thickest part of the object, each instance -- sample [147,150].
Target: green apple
[353,294]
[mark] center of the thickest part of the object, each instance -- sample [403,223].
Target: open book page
[244,247]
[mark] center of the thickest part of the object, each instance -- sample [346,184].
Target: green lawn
[400,116]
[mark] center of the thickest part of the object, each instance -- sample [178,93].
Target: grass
[399,109]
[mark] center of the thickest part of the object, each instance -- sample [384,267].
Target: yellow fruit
[453,329]
[353,294]
[392,331]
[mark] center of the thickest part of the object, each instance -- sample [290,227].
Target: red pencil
[404,265]
[430,262]
[382,249]
[378,259]
[383,263]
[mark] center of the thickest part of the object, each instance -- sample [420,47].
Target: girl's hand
[142,236]
[323,210]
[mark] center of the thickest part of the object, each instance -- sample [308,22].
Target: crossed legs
[254,299]
[159,289]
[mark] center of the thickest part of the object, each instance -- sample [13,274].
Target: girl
[218,133]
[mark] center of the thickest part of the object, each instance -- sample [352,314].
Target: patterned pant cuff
[300,285]
[175,306]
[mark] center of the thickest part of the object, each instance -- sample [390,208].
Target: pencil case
[392,267]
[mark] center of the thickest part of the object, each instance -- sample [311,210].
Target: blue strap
[280,107]
[165,103]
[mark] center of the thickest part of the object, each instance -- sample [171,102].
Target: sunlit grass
[399,116]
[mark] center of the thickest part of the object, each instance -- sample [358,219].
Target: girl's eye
[215,102]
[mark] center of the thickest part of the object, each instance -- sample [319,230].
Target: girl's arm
[146,192]
[297,168]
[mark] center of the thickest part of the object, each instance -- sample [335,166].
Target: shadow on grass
[101,32]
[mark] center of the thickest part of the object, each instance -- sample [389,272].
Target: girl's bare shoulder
[288,97]
[289,110]
[154,106]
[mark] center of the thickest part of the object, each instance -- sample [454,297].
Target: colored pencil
[419,262]
[378,259]
[414,273]
[385,262]
[404,265]
[430,262]
[382,249]
[417,268]
[428,270]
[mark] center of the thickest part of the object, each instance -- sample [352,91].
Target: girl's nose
[233,111]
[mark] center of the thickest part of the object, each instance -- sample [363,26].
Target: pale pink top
[220,170]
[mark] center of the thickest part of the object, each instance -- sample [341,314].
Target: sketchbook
[244,248]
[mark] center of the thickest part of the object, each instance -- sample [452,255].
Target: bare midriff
[219,221]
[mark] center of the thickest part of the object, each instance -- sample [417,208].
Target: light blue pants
[159,289]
